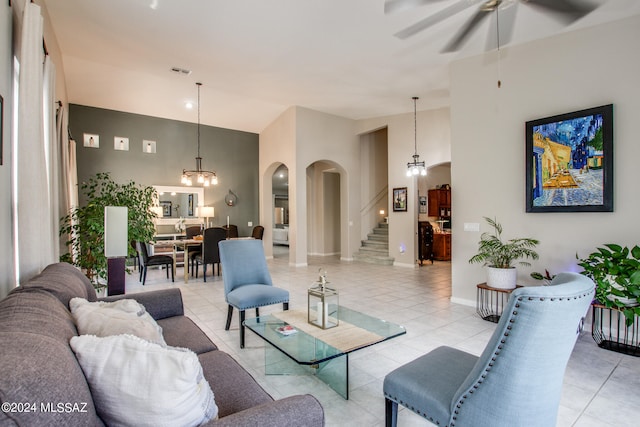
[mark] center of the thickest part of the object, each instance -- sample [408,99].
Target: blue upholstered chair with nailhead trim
[516,381]
[247,282]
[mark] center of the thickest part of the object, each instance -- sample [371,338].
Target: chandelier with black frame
[199,175]
[416,167]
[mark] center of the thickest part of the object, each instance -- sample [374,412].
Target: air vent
[180,71]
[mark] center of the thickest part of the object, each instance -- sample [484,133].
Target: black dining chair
[191,232]
[153,260]
[232,231]
[257,232]
[210,252]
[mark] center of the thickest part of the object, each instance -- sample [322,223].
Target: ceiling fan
[566,10]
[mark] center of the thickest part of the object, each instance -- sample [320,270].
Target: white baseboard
[463,301]
[402,264]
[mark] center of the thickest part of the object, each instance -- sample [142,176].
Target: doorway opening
[280,191]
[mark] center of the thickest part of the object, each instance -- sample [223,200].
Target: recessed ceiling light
[188,105]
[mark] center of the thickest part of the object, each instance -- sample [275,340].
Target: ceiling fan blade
[391,6]
[470,26]
[567,10]
[502,24]
[435,18]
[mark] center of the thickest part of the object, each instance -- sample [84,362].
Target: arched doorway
[324,209]
[280,193]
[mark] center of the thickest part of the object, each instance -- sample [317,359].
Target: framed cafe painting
[569,162]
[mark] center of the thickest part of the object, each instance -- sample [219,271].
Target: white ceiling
[256,58]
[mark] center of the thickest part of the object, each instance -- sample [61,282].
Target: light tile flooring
[601,388]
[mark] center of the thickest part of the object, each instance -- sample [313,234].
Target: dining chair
[516,381]
[211,252]
[247,282]
[191,232]
[232,231]
[136,256]
[153,260]
[258,232]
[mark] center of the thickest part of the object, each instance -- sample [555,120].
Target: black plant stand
[491,301]
[610,331]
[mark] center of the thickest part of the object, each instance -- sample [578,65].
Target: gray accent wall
[232,154]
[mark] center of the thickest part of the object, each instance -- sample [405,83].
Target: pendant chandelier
[415,167]
[200,176]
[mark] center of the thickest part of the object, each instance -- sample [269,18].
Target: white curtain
[68,175]
[33,240]
[52,152]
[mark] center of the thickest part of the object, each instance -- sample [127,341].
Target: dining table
[180,245]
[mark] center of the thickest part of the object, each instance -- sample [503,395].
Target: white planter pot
[628,302]
[502,278]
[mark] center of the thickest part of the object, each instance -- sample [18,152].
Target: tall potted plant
[84,225]
[499,256]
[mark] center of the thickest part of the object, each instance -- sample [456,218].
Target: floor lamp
[115,247]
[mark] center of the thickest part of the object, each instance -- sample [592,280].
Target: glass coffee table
[322,352]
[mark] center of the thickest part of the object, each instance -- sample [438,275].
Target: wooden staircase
[375,250]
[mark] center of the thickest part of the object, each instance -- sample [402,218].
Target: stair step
[378,237]
[372,259]
[375,250]
[369,250]
[375,244]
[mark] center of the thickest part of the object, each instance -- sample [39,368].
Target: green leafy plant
[547,277]
[495,252]
[615,270]
[84,225]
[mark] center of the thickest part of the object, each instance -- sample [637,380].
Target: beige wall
[374,179]
[566,73]
[277,144]
[434,147]
[299,138]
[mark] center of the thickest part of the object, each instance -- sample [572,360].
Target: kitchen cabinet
[439,203]
[442,246]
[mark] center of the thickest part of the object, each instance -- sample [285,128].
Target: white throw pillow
[104,319]
[138,383]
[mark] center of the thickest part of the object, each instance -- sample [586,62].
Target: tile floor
[601,388]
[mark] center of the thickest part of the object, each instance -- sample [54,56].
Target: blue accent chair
[516,381]
[247,282]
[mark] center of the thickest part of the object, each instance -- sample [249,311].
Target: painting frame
[422,202]
[190,205]
[400,199]
[569,162]
[166,208]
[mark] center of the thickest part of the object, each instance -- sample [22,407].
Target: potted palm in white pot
[500,256]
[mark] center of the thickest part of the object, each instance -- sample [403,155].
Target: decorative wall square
[91,140]
[120,143]
[148,147]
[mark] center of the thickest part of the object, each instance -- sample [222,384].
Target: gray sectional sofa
[42,384]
